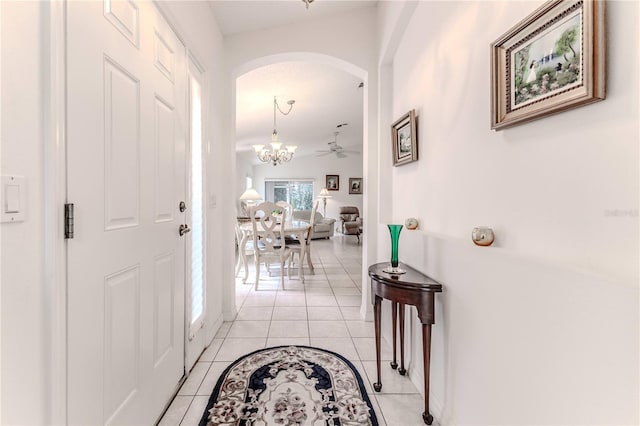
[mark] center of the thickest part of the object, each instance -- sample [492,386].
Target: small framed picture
[333,183]
[551,61]
[404,139]
[355,186]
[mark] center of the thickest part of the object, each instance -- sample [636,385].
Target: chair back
[349,213]
[267,227]
[238,233]
[288,207]
[312,221]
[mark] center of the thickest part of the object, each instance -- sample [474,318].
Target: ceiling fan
[336,149]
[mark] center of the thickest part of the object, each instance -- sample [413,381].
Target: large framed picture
[355,186]
[333,182]
[551,61]
[404,139]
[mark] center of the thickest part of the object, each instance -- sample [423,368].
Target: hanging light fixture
[277,154]
[307,2]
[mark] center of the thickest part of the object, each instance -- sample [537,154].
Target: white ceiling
[237,16]
[325,96]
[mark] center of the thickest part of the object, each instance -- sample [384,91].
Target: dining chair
[243,252]
[288,207]
[296,248]
[269,246]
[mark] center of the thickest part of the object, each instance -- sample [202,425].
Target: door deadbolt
[182,206]
[184,229]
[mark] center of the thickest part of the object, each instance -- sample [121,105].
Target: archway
[368,245]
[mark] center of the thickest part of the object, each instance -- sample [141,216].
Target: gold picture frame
[551,61]
[404,139]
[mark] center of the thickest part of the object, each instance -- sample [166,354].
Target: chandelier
[277,153]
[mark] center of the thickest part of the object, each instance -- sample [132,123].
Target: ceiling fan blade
[322,153]
[339,154]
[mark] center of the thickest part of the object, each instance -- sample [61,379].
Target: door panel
[124,15]
[165,161]
[122,333]
[126,176]
[163,309]
[122,146]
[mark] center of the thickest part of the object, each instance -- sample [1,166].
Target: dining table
[292,228]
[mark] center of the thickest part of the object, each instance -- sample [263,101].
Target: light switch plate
[13,202]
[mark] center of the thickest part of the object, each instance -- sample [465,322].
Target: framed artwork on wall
[404,139]
[355,186]
[333,182]
[551,61]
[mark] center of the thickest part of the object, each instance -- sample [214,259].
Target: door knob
[184,229]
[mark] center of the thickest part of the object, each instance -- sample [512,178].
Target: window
[298,193]
[197,210]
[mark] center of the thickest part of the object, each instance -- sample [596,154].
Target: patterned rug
[290,385]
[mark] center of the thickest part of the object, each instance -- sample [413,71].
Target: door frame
[55,196]
[194,65]
[54,126]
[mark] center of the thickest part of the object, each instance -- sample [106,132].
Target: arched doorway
[363,77]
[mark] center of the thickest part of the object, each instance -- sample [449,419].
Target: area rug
[290,385]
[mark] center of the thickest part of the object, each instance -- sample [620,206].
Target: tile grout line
[186,411]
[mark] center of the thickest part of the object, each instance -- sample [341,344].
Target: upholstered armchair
[351,222]
[322,227]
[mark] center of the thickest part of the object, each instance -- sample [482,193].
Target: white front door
[127,96]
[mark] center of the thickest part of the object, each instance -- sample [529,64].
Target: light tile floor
[323,312]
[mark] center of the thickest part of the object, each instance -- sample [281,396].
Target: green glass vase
[394,231]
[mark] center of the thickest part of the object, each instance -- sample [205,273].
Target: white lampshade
[276,145]
[258,148]
[292,148]
[250,195]
[324,193]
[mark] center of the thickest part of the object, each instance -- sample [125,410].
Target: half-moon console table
[411,288]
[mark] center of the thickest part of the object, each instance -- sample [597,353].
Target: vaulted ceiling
[238,16]
[325,96]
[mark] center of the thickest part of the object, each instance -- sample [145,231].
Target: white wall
[316,168]
[244,169]
[25,375]
[27,299]
[545,187]
[542,327]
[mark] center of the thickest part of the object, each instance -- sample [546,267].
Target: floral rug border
[216,391]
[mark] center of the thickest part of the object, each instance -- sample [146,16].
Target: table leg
[402,370]
[426,357]
[377,386]
[394,316]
